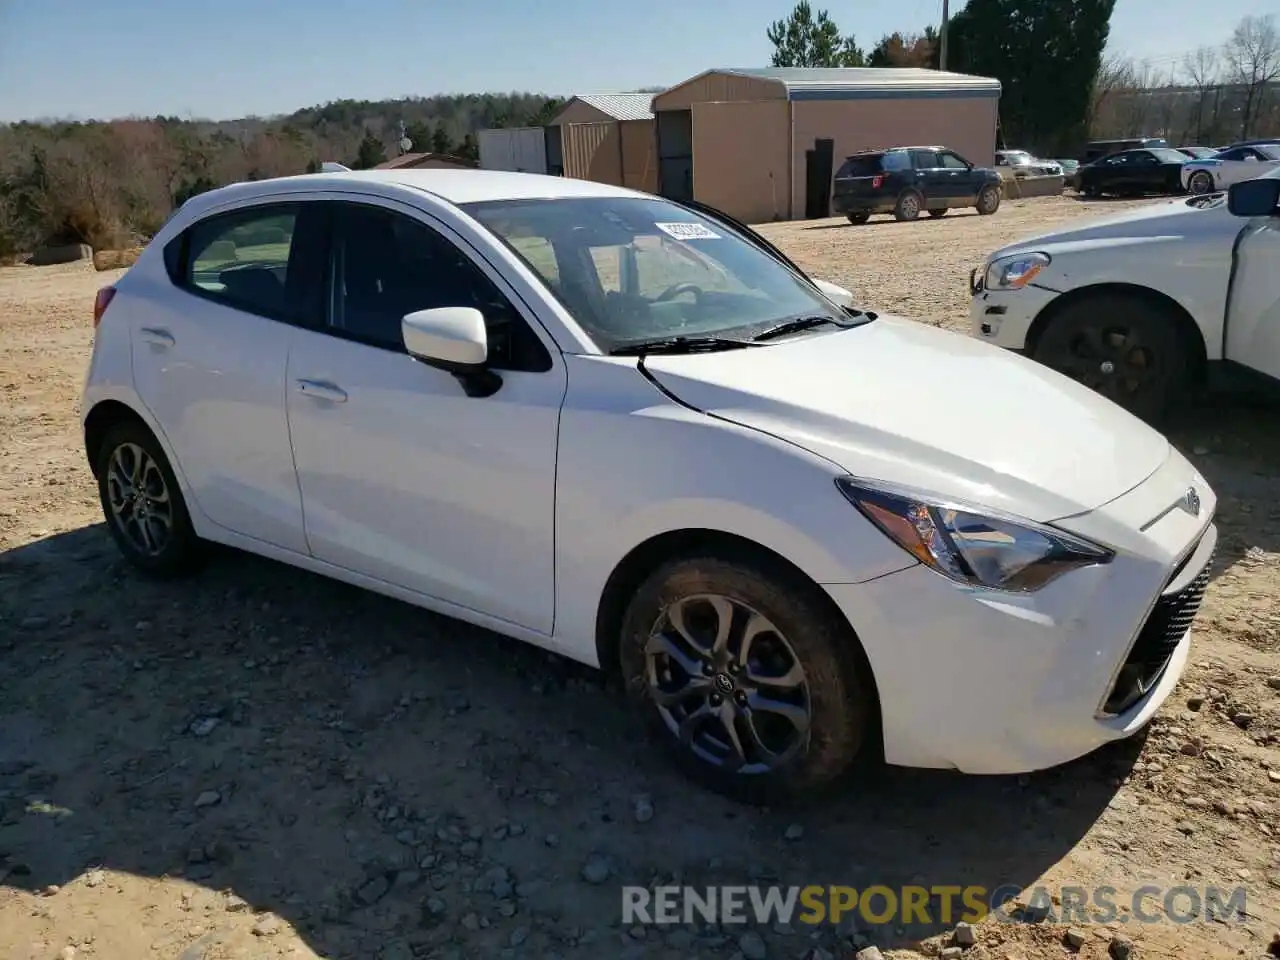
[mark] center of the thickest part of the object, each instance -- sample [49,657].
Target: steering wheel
[676,289]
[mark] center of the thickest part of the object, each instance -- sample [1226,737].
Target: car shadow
[375,774]
[887,219]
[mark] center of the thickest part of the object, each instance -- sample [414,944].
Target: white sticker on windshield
[687,231]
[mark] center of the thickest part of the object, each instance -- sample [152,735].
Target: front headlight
[1014,272]
[971,545]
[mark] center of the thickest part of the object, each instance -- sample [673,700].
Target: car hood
[902,402]
[1169,220]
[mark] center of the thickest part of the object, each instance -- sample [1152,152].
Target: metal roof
[620,106]
[858,83]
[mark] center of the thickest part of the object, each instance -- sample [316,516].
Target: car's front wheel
[858,219]
[143,504]
[988,200]
[746,675]
[1201,182]
[1124,347]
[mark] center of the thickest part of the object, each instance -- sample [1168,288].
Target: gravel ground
[261,763]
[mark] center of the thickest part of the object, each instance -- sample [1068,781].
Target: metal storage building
[519,149]
[608,138]
[763,144]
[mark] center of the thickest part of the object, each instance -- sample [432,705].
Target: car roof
[454,186]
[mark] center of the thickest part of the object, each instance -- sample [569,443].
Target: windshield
[1167,155]
[1017,156]
[634,269]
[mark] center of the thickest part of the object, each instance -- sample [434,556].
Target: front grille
[1168,623]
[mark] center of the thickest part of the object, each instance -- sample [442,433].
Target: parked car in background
[700,470]
[1230,166]
[1022,164]
[1096,149]
[1133,173]
[1143,306]
[905,181]
[1069,167]
[1198,153]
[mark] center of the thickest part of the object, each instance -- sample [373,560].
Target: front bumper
[997,683]
[1004,317]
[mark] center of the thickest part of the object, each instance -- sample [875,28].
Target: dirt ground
[260,763]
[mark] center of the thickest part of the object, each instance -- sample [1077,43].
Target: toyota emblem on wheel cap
[1190,502]
[724,683]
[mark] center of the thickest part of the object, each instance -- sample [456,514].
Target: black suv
[905,180]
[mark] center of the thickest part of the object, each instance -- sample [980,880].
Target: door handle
[157,336]
[321,390]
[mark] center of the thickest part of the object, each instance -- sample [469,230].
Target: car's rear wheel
[857,219]
[143,503]
[746,676]
[1124,347]
[908,205]
[939,212]
[988,200]
[1201,182]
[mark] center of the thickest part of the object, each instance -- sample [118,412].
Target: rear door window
[924,159]
[241,259]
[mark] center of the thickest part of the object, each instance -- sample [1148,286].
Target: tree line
[1059,87]
[112,184]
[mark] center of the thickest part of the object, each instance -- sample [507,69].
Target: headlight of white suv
[1014,272]
[970,544]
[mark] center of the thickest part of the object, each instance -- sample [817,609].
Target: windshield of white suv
[633,270]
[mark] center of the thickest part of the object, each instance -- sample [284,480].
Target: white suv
[1144,306]
[633,432]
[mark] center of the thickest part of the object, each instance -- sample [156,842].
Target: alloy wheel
[727,684]
[1201,182]
[1110,359]
[139,498]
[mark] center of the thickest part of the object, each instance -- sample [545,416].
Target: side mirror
[452,339]
[838,294]
[1254,198]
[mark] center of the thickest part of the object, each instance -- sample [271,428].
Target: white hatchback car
[633,432]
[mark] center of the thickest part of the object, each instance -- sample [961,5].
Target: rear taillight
[100,304]
[877,181]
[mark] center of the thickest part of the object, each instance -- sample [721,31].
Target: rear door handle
[321,390]
[157,336]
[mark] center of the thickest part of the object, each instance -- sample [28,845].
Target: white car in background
[1142,306]
[1022,164]
[632,432]
[1230,166]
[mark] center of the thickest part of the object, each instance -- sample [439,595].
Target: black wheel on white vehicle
[1201,182]
[988,200]
[1125,347]
[858,219]
[143,504]
[908,206]
[746,676]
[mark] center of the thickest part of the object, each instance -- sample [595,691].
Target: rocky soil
[260,763]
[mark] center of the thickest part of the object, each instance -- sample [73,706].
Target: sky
[79,59]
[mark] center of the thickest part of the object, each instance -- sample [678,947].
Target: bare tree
[1203,70]
[1253,61]
[1115,77]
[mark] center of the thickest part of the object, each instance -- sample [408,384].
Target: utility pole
[942,40]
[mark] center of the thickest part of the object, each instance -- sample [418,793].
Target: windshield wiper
[679,345]
[796,325]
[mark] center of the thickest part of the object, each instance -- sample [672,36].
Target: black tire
[1150,360]
[909,205]
[836,690]
[858,219]
[988,200]
[1090,190]
[179,551]
[939,212]
[1201,182]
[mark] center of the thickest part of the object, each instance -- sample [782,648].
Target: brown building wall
[579,112]
[716,87]
[741,158]
[639,155]
[965,124]
[593,151]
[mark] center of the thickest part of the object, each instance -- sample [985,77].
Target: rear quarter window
[867,166]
